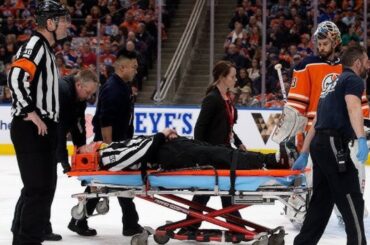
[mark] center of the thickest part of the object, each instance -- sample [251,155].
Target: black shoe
[132,231]
[81,228]
[286,161]
[52,237]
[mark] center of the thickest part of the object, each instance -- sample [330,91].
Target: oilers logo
[328,84]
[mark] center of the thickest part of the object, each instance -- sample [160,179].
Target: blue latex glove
[301,161]
[363,150]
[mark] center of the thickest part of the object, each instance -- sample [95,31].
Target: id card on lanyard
[230,111]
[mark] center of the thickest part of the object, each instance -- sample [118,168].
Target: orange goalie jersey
[309,77]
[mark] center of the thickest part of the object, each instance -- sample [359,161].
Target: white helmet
[328,29]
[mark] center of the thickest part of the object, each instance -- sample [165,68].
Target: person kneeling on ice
[167,150]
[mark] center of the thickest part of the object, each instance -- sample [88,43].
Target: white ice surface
[109,226]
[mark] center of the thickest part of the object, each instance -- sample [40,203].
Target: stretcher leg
[234,233]
[228,217]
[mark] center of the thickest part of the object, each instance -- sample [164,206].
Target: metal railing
[173,68]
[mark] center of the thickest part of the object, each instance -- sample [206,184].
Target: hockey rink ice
[109,226]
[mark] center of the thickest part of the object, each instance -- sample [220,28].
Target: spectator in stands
[69,55]
[234,57]
[116,15]
[10,46]
[80,10]
[272,79]
[243,79]
[59,61]
[254,72]
[95,13]
[130,23]
[350,36]
[305,46]
[138,80]
[237,33]
[87,55]
[280,7]
[349,17]
[107,57]
[240,16]
[144,36]
[7,9]
[10,27]
[89,27]
[109,28]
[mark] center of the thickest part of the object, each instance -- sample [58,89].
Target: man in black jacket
[113,121]
[74,91]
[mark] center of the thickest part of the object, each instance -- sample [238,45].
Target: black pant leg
[130,217]
[182,152]
[320,206]
[17,215]
[35,156]
[48,227]
[227,202]
[202,200]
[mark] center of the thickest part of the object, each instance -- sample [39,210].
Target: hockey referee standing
[335,179]
[33,80]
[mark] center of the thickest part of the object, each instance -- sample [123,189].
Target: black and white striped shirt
[33,80]
[125,154]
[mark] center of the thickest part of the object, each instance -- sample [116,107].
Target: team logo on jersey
[328,84]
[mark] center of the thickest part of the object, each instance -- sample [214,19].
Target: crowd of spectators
[132,24]
[129,24]
[289,39]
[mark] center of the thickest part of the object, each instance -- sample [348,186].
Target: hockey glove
[363,150]
[301,161]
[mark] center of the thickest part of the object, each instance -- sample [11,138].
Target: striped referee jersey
[33,80]
[126,154]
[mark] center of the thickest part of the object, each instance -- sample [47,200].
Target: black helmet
[49,9]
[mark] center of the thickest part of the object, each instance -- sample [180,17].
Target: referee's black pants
[332,187]
[36,161]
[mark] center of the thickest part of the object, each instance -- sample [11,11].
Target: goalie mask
[328,29]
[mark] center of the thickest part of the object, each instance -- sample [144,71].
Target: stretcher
[246,188]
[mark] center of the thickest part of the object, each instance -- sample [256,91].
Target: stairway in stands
[174,32]
[193,86]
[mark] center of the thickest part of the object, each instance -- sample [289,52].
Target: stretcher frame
[244,231]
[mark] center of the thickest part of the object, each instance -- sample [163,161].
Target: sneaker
[81,228]
[52,237]
[132,231]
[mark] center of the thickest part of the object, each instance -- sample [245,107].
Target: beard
[364,73]
[325,55]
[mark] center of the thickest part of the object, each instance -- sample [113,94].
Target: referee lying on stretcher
[167,150]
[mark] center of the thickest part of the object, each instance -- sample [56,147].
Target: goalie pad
[290,123]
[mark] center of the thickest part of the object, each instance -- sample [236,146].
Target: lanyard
[230,112]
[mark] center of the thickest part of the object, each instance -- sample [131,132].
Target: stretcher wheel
[102,207]
[262,241]
[78,211]
[161,239]
[277,239]
[140,239]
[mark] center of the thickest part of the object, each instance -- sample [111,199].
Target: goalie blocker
[291,122]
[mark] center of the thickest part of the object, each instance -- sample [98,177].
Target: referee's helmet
[49,9]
